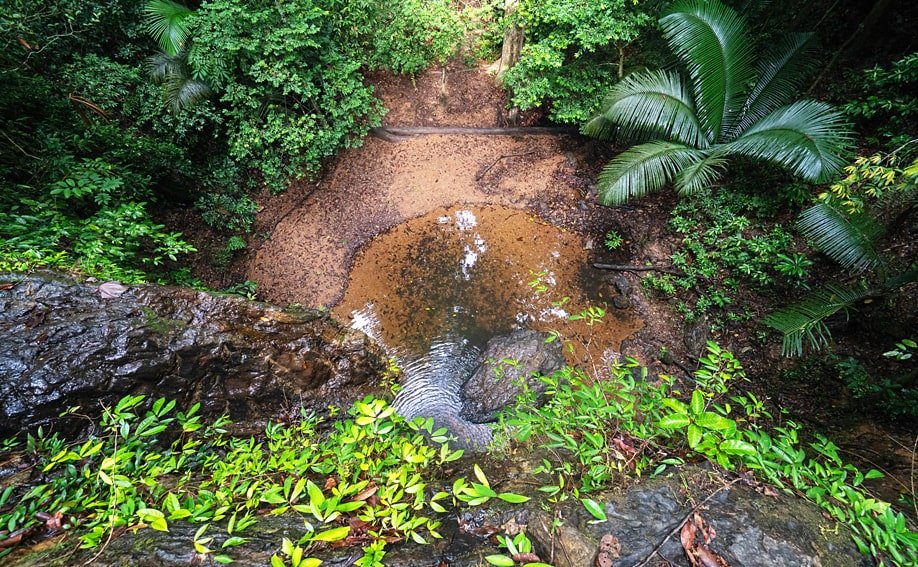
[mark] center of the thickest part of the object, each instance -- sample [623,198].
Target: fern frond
[782,71]
[807,318]
[711,40]
[642,169]
[167,22]
[650,103]
[701,175]
[806,137]
[848,239]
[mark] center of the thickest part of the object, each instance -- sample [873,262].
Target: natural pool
[471,273]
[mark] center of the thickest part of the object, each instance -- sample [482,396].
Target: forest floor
[306,239]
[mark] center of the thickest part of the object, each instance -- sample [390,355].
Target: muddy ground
[306,239]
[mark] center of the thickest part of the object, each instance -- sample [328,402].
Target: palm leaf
[807,318]
[781,71]
[651,103]
[161,66]
[642,169]
[806,137]
[712,42]
[167,23]
[848,239]
[701,174]
[182,91]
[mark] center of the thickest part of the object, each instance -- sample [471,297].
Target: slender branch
[487,169]
[629,268]
[465,131]
[678,527]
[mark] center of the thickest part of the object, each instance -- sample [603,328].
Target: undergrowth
[377,479]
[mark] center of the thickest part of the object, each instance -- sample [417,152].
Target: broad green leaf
[277,561]
[738,447]
[500,560]
[594,508]
[674,421]
[334,534]
[697,406]
[694,435]
[710,420]
[513,498]
[479,474]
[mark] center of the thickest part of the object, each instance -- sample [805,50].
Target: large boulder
[69,344]
[511,363]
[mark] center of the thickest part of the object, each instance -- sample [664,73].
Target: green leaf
[738,447]
[697,406]
[334,534]
[849,239]
[479,474]
[594,508]
[710,420]
[642,169]
[694,435]
[500,560]
[223,558]
[513,498]
[277,561]
[674,421]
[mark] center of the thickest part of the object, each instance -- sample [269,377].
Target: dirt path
[371,189]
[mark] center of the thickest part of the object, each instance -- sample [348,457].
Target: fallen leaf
[111,290]
[687,536]
[330,483]
[710,559]
[527,558]
[5,286]
[366,493]
[609,550]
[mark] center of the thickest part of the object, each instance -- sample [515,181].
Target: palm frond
[182,91]
[807,318]
[782,70]
[649,103]
[167,22]
[711,40]
[642,169]
[806,137]
[701,174]
[848,239]
[160,66]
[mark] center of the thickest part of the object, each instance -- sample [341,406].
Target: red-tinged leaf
[527,558]
[5,286]
[330,483]
[366,493]
[708,558]
[687,536]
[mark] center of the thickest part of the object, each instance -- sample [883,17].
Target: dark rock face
[509,362]
[65,345]
[752,530]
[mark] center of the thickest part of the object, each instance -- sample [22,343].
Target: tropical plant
[727,105]
[846,224]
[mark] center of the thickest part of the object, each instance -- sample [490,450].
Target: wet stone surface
[65,345]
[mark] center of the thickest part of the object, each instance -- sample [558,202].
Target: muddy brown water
[472,273]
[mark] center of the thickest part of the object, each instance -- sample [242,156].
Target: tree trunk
[513,41]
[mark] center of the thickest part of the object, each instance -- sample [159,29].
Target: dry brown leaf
[710,559]
[330,483]
[609,550]
[527,558]
[366,493]
[687,536]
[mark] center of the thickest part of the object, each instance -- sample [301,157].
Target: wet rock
[621,302]
[750,530]
[510,361]
[68,344]
[696,336]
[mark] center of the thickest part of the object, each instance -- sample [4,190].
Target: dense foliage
[99,128]
[728,104]
[573,51]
